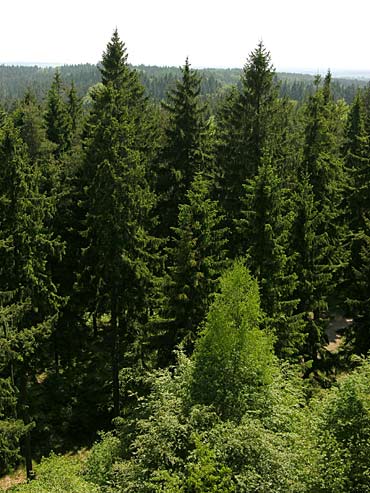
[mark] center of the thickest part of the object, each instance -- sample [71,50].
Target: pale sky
[307,35]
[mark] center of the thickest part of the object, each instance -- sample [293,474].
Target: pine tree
[184,153]
[196,261]
[265,230]
[117,203]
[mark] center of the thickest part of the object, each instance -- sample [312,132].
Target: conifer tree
[264,231]
[322,169]
[196,261]
[245,129]
[29,301]
[358,206]
[310,246]
[117,203]
[184,152]
[29,120]
[57,118]
[74,107]
[357,162]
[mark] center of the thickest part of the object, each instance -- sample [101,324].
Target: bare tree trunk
[115,356]
[26,445]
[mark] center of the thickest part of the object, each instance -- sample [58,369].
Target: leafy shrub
[343,434]
[58,474]
[101,459]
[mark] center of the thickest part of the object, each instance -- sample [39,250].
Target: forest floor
[12,479]
[333,332]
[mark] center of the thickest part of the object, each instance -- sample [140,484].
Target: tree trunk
[56,355]
[115,356]
[26,445]
[95,325]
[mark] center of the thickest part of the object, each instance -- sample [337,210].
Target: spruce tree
[323,170]
[57,118]
[358,206]
[264,230]
[183,153]
[74,107]
[245,125]
[29,120]
[311,250]
[196,261]
[117,202]
[29,301]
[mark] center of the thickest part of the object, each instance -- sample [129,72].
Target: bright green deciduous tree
[343,434]
[234,362]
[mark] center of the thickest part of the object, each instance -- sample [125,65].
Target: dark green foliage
[74,107]
[58,119]
[117,203]
[196,261]
[359,292]
[28,118]
[358,204]
[29,301]
[245,128]
[311,248]
[265,231]
[184,152]
[319,212]
[343,433]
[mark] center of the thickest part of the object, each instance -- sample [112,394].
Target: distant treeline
[15,81]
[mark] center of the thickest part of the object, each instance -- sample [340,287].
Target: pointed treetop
[259,60]
[114,62]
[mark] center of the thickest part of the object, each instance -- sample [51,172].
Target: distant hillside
[16,80]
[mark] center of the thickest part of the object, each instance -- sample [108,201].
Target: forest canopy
[184,278]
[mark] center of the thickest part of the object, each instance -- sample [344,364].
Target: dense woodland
[169,266]
[16,81]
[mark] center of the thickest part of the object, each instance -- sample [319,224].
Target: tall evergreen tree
[184,153]
[311,249]
[196,261]
[117,204]
[322,167]
[57,118]
[265,230]
[357,162]
[74,107]
[358,206]
[245,129]
[29,301]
